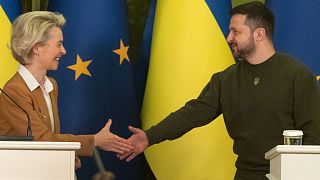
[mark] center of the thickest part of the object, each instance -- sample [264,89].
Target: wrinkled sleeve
[195,113]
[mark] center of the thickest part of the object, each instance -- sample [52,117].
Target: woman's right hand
[108,141]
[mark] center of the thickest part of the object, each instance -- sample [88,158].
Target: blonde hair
[30,29]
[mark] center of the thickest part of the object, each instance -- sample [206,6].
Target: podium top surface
[292,149]
[38,145]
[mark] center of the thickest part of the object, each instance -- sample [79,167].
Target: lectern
[37,160]
[294,162]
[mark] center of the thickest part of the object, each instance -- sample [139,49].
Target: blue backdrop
[297,30]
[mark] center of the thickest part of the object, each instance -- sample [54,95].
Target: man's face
[240,37]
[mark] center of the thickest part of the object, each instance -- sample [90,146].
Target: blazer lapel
[55,112]
[43,109]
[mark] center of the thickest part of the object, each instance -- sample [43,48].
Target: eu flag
[297,30]
[95,78]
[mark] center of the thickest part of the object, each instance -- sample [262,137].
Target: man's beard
[247,51]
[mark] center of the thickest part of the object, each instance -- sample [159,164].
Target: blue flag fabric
[297,30]
[9,10]
[95,78]
[144,55]
[220,10]
[12,8]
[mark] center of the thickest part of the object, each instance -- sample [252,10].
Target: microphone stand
[102,174]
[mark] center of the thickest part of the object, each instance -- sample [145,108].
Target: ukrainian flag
[188,46]
[9,10]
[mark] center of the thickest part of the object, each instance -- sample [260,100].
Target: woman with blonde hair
[37,44]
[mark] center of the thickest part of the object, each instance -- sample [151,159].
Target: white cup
[292,137]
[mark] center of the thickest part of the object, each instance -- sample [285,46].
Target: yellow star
[122,52]
[81,67]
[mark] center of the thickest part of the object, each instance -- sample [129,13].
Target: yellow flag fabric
[8,66]
[187,48]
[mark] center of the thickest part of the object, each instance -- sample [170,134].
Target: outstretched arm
[108,141]
[139,143]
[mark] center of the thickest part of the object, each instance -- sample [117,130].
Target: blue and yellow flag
[95,78]
[297,30]
[188,46]
[141,71]
[221,14]
[9,10]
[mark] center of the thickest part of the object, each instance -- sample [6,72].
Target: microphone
[29,136]
[102,174]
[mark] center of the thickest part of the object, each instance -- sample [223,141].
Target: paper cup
[292,137]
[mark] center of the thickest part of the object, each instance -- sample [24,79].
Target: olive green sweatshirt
[258,102]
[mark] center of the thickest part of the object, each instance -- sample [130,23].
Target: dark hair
[258,16]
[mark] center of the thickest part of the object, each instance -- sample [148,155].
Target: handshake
[125,148]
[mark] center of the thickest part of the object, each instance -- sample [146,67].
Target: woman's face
[51,52]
